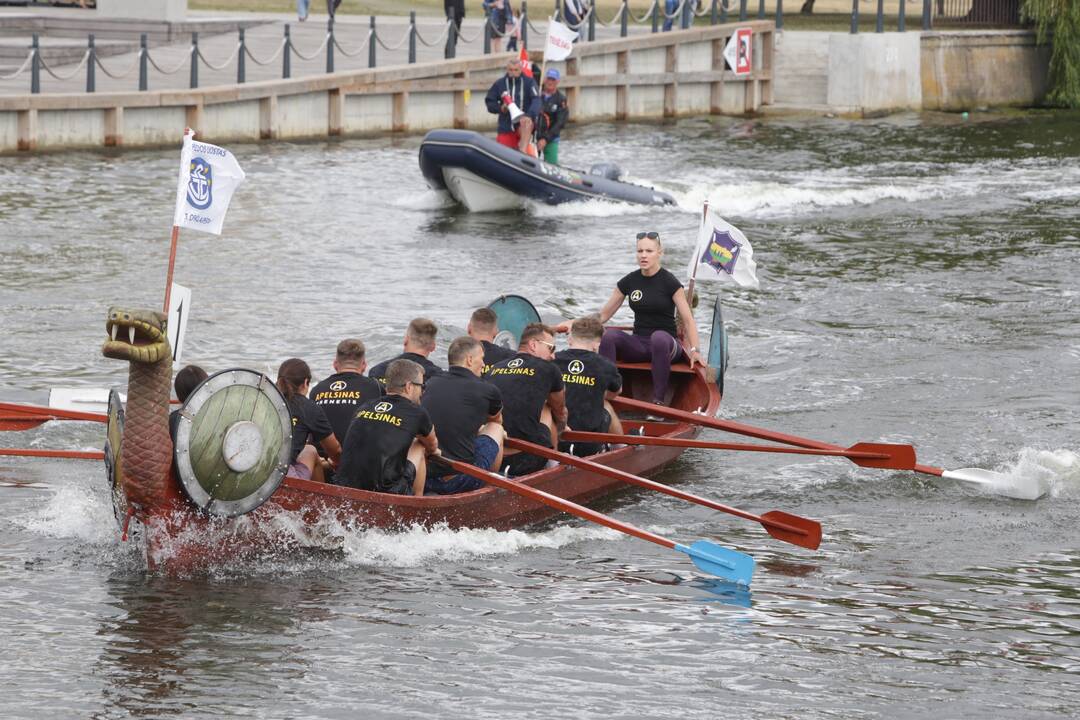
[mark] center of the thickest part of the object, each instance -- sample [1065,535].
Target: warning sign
[737,53]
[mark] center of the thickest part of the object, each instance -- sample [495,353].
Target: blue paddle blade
[720,561]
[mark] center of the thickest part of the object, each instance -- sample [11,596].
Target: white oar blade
[998,483]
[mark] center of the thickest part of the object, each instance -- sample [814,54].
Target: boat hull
[485,176]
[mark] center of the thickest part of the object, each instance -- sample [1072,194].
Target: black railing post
[241,68]
[412,37]
[330,45]
[742,10]
[524,25]
[144,69]
[926,24]
[91,61]
[558,11]
[761,10]
[194,61]
[713,12]
[286,54]
[854,17]
[656,16]
[35,64]
[624,19]
[592,24]
[451,35]
[901,20]
[723,12]
[780,13]
[487,34]
[880,27]
[371,44]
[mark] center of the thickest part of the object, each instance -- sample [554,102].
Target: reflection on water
[918,286]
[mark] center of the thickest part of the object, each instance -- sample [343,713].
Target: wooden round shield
[113,435]
[514,313]
[233,442]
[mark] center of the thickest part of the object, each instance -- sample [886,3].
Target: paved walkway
[264,44]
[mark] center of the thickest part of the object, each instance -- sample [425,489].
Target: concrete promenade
[264,45]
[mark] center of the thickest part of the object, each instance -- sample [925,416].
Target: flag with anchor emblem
[208,176]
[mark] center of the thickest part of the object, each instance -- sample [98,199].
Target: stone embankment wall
[650,76]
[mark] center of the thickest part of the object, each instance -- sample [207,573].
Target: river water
[918,285]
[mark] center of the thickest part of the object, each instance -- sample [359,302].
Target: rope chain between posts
[646,17]
[272,58]
[622,8]
[26,62]
[466,39]
[438,40]
[317,51]
[363,45]
[73,73]
[182,64]
[118,76]
[228,61]
[677,13]
[400,44]
[705,9]
[495,34]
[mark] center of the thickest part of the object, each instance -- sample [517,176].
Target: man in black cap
[552,118]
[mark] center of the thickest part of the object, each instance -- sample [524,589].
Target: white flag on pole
[560,41]
[723,253]
[208,176]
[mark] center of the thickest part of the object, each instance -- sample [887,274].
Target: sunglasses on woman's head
[652,235]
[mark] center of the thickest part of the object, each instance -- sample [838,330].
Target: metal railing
[661,16]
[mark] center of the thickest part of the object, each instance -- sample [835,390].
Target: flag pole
[693,273]
[172,264]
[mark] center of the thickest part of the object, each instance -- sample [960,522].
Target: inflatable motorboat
[484,176]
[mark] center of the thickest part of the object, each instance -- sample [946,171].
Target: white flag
[723,253]
[560,41]
[208,176]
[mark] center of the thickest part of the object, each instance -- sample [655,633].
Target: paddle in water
[998,482]
[709,557]
[781,525]
[17,416]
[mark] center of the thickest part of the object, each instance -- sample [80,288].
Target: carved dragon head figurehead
[138,336]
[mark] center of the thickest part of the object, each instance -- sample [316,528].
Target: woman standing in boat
[655,296]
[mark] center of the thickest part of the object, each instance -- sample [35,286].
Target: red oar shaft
[581,436]
[810,539]
[72,454]
[557,502]
[18,411]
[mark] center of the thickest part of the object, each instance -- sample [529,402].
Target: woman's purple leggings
[660,349]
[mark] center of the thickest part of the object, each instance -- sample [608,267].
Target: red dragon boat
[222,489]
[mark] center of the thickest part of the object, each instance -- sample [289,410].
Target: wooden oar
[781,525]
[709,557]
[70,454]
[875,455]
[16,416]
[998,482]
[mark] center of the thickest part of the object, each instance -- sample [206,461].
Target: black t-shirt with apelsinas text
[340,395]
[525,382]
[495,353]
[377,444]
[307,419]
[587,376]
[650,299]
[430,369]
[459,403]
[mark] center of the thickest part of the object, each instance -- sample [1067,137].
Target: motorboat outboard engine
[610,171]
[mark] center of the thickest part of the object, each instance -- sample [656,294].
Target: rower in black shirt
[308,422]
[591,381]
[484,326]
[419,343]
[534,400]
[347,389]
[467,413]
[388,440]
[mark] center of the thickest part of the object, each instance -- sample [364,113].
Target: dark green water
[919,284]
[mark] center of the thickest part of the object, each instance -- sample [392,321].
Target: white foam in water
[73,512]
[589,208]
[1052,472]
[427,200]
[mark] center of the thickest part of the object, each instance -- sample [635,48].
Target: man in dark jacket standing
[553,116]
[522,91]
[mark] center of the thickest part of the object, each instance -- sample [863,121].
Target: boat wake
[1055,473]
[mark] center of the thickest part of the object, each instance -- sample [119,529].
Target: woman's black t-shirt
[307,419]
[650,299]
